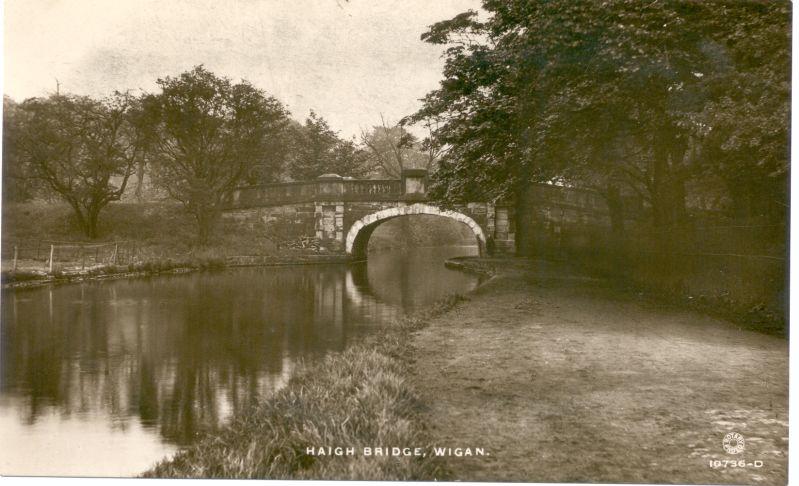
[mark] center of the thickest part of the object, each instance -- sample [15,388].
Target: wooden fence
[53,255]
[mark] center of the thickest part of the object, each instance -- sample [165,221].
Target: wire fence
[740,265]
[750,241]
[51,255]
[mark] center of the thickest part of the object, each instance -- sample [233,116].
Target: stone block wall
[278,223]
[560,220]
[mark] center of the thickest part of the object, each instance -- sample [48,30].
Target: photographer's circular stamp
[734,443]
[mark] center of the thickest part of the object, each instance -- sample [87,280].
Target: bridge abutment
[329,224]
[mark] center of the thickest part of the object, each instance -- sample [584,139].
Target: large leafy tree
[621,95]
[208,134]
[317,149]
[82,150]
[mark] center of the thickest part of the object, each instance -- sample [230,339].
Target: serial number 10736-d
[716,463]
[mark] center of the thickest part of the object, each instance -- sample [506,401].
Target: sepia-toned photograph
[538,241]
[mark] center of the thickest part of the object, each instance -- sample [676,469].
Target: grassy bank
[358,398]
[159,237]
[164,230]
[28,278]
[161,234]
[160,230]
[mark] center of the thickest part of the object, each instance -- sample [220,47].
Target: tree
[18,184]
[349,160]
[208,134]
[317,149]
[391,148]
[743,126]
[277,156]
[609,95]
[83,150]
[430,146]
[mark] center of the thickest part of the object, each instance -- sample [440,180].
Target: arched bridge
[343,213]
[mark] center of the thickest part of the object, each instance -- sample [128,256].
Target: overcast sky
[349,61]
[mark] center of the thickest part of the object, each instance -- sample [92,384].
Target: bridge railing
[269,194]
[309,191]
[369,189]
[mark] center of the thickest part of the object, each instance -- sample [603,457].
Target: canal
[110,377]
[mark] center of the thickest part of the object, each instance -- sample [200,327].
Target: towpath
[561,378]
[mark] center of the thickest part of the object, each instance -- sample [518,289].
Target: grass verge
[159,230]
[358,398]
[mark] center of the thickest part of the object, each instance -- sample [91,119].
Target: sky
[350,61]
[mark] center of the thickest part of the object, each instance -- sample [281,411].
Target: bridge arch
[359,233]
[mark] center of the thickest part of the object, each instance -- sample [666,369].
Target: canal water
[106,378]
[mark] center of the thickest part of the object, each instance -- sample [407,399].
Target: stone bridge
[343,213]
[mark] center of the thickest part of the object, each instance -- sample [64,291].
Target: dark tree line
[669,100]
[196,138]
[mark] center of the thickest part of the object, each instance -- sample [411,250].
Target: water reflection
[149,364]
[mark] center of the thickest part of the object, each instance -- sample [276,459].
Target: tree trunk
[93,232]
[659,192]
[206,221]
[615,210]
[523,213]
[140,179]
[93,217]
[679,213]
[668,205]
[668,192]
[617,250]
[83,222]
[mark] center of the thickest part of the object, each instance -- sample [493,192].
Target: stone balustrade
[347,190]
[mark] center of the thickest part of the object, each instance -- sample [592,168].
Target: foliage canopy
[207,134]
[82,150]
[646,98]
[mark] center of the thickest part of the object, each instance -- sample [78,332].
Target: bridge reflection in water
[109,377]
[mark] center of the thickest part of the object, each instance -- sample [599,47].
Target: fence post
[116,253]
[38,243]
[82,258]
[14,268]
[52,248]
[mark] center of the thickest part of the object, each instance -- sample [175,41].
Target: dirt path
[561,379]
